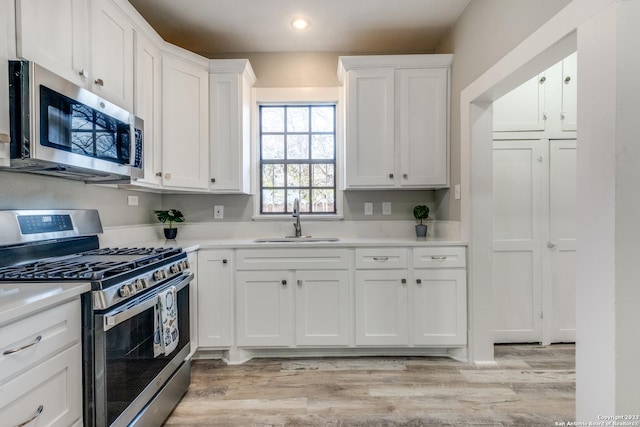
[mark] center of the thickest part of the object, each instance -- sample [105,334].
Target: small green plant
[421,212]
[170,216]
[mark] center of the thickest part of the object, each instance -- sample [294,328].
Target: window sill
[303,217]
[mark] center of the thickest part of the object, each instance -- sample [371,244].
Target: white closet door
[561,247]
[517,257]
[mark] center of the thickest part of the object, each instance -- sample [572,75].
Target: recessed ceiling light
[300,24]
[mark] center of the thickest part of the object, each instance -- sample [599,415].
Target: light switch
[368,208]
[386,208]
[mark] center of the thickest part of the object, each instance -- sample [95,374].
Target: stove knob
[144,283]
[175,268]
[139,284]
[124,291]
[159,275]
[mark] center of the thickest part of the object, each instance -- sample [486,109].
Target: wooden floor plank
[531,385]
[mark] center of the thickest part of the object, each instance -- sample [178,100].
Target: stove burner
[95,265]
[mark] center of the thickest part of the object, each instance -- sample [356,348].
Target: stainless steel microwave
[60,129]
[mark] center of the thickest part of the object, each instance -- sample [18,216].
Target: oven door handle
[135,307]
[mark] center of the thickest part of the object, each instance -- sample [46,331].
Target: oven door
[128,368]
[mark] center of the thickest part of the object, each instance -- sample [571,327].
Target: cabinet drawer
[439,257]
[55,385]
[292,259]
[49,331]
[381,258]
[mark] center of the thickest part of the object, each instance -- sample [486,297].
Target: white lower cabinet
[41,376]
[440,307]
[286,308]
[381,308]
[215,298]
[288,297]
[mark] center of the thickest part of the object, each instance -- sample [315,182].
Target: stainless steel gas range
[135,320]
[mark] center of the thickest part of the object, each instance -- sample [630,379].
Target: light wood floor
[531,386]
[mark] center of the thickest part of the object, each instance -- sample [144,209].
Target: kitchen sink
[301,239]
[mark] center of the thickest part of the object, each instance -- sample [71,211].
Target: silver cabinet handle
[438,257]
[99,82]
[33,417]
[381,258]
[24,347]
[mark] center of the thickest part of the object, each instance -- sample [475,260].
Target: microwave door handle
[115,317]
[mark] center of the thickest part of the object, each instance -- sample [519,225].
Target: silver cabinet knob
[99,82]
[83,73]
[551,245]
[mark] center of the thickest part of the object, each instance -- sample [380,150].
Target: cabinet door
[112,54]
[569,113]
[55,34]
[422,127]
[322,308]
[440,307]
[522,109]
[229,133]
[517,240]
[561,248]
[215,299]
[370,134]
[53,390]
[147,107]
[381,308]
[263,309]
[185,124]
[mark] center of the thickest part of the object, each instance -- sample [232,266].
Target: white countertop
[20,299]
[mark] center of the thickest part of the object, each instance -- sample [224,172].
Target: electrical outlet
[368,208]
[218,212]
[132,200]
[386,208]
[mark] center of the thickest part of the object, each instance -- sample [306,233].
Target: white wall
[608,295]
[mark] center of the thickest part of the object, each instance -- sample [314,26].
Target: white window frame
[306,96]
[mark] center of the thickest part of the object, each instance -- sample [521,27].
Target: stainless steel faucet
[296,215]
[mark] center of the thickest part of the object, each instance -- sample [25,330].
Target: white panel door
[561,246]
[263,305]
[517,257]
[440,307]
[215,298]
[370,129]
[522,109]
[569,114]
[382,317]
[322,307]
[422,128]
[54,34]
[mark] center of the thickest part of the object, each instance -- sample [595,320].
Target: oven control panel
[108,297]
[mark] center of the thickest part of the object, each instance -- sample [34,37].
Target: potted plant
[170,216]
[421,212]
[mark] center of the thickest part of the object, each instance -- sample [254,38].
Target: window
[297,158]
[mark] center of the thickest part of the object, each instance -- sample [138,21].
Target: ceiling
[216,27]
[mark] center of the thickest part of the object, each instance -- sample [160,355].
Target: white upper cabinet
[147,106]
[522,109]
[230,82]
[543,106]
[87,43]
[111,54]
[55,34]
[185,120]
[396,121]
